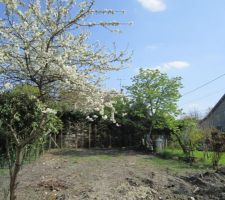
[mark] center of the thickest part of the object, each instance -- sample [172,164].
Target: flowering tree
[23,121]
[44,43]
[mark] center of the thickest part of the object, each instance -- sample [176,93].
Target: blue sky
[186,38]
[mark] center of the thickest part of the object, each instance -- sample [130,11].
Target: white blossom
[101,112]
[8,86]
[50,111]
[89,119]
[104,117]
[38,47]
[96,109]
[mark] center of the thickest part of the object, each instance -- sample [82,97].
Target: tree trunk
[41,96]
[149,142]
[56,145]
[183,147]
[15,171]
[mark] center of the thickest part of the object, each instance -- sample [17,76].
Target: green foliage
[191,133]
[122,107]
[72,115]
[173,154]
[26,89]
[188,134]
[156,92]
[24,122]
[23,116]
[173,158]
[154,98]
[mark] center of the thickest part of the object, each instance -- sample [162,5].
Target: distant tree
[194,113]
[188,134]
[155,95]
[23,121]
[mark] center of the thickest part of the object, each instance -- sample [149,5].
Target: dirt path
[111,175]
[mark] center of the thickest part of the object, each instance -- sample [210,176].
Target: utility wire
[203,85]
[203,97]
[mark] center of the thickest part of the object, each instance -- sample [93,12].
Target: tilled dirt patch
[208,185]
[112,175]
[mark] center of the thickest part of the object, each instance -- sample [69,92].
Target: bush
[23,121]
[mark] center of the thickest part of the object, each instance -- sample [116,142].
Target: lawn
[4,172]
[172,155]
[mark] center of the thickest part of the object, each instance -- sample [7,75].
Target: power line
[203,85]
[203,97]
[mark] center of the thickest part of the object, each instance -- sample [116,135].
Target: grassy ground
[160,162]
[4,172]
[169,159]
[173,159]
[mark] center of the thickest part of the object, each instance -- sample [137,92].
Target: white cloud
[173,65]
[153,5]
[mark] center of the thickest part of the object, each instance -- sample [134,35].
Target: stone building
[216,117]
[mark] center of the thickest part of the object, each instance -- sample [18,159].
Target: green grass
[170,153]
[77,156]
[4,172]
[88,158]
[172,160]
[175,165]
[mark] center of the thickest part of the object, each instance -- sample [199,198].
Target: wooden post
[56,145]
[82,142]
[100,138]
[61,138]
[50,142]
[95,134]
[110,141]
[166,143]
[89,136]
[76,141]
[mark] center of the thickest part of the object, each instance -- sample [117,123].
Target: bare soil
[111,175]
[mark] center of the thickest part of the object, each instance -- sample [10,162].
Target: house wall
[216,118]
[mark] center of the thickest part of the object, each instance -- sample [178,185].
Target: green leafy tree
[155,95]
[26,89]
[23,121]
[188,134]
